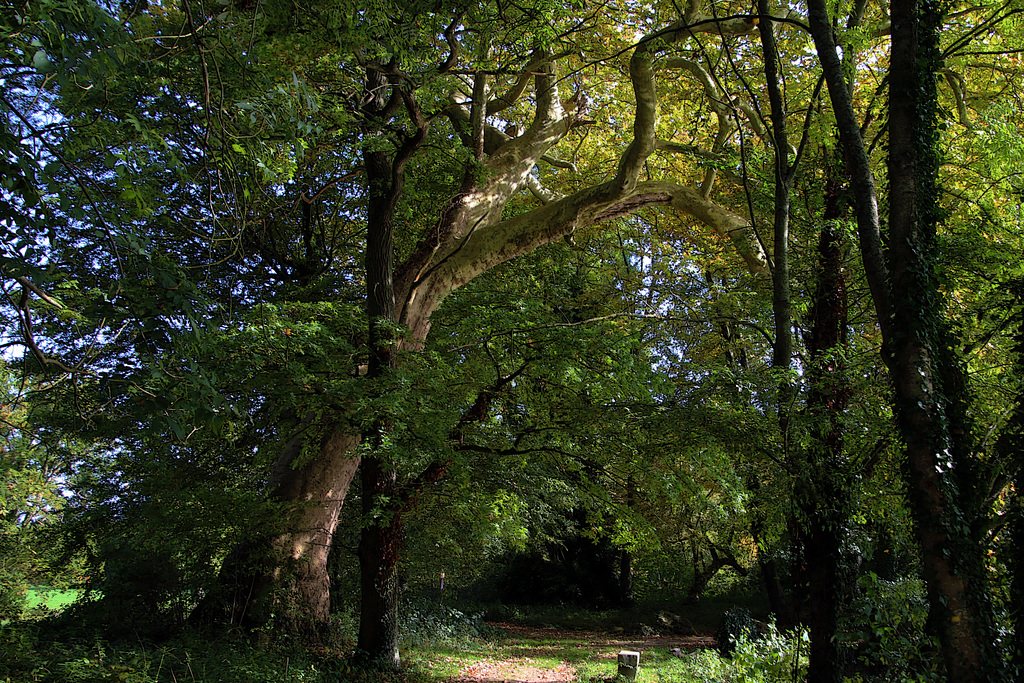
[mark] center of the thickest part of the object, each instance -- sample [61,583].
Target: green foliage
[887,623]
[774,657]
[427,621]
[28,654]
[33,468]
[203,226]
[737,626]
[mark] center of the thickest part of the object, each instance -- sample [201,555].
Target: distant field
[51,598]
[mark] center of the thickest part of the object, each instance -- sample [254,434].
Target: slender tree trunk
[951,560]
[379,547]
[782,348]
[826,499]
[381,533]
[855,157]
[779,603]
[626,595]
[782,352]
[626,598]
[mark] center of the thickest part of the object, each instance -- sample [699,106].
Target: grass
[442,661]
[42,651]
[590,662]
[705,616]
[53,599]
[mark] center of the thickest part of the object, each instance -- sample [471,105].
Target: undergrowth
[439,642]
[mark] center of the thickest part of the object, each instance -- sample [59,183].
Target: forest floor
[531,654]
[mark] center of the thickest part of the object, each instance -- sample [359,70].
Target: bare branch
[28,284]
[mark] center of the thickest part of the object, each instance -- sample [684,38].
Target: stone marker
[629,663]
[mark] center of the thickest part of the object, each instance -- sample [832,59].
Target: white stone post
[629,664]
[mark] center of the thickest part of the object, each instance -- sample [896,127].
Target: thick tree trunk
[823,557]
[1016,563]
[318,488]
[287,574]
[1011,447]
[951,560]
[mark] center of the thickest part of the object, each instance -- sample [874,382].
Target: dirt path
[523,669]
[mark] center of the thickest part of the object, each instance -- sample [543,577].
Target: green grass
[442,661]
[705,616]
[590,661]
[24,657]
[31,651]
[50,598]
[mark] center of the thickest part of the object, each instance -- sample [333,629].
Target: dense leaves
[516,260]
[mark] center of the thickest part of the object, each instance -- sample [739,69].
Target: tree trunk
[778,602]
[379,547]
[381,532]
[1011,448]
[951,560]
[1015,562]
[287,573]
[782,313]
[826,498]
[720,559]
[626,596]
[319,487]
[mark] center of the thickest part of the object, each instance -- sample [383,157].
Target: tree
[265,211]
[929,388]
[270,213]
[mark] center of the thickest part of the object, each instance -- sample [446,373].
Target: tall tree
[826,495]
[905,290]
[223,193]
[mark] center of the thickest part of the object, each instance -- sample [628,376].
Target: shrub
[771,657]
[424,620]
[737,625]
[887,624]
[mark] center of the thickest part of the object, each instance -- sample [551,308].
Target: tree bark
[1011,447]
[951,560]
[1016,563]
[782,350]
[862,181]
[782,314]
[287,573]
[319,487]
[720,559]
[379,547]
[382,529]
[826,498]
